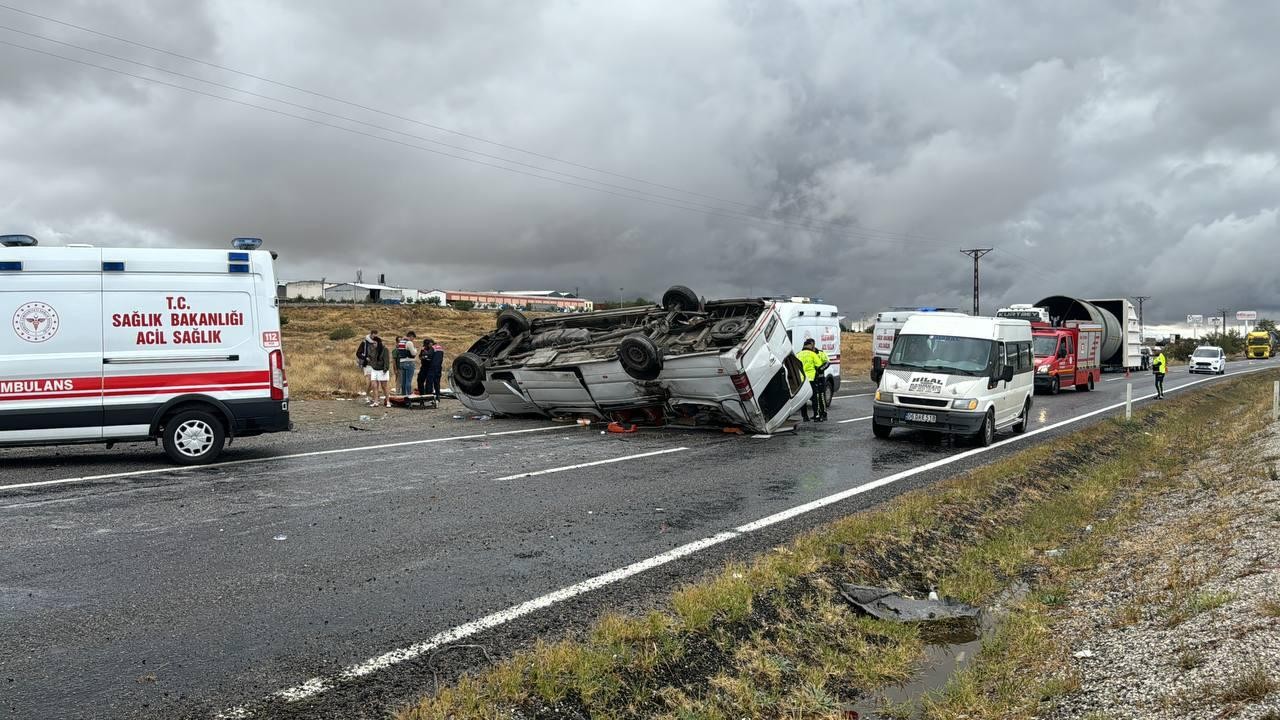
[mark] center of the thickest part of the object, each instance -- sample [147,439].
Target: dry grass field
[322,368]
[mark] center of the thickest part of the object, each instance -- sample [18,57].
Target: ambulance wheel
[881,431]
[1055,386]
[679,297]
[468,373]
[987,433]
[640,357]
[1024,419]
[193,437]
[513,321]
[830,393]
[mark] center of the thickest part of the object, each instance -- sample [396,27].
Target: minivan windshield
[943,354]
[1206,352]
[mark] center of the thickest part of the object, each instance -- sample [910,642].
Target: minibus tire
[468,373]
[679,297]
[193,437]
[1021,426]
[640,357]
[987,433]
[513,321]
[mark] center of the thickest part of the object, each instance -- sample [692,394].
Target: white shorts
[368,371]
[379,375]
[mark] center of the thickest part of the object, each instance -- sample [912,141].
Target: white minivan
[110,345]
[959,375]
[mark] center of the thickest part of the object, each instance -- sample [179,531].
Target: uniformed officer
[1160,366]
[815,364]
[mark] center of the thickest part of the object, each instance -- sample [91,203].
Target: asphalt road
[134,590]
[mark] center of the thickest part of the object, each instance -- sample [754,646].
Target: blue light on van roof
[237,268]
[18,241]
[246,243]
[927,309]
[238,257]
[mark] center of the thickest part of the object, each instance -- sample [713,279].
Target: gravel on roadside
[1181,619]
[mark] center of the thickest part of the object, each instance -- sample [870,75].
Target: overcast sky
[1102,148]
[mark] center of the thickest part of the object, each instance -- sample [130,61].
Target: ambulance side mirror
[1007,374]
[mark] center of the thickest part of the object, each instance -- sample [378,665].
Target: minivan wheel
[881,431]
[640,357]
[679,297]
[468,373]
[987,433]
[513,321]
[194,437]
[1021,426]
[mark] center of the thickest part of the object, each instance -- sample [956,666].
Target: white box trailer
[109,345]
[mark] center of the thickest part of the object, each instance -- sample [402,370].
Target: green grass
[772,637]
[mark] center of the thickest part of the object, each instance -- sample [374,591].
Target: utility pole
[976,253]
[1222,329]
[1142,325]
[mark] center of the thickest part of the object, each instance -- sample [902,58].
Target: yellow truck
[1260,344]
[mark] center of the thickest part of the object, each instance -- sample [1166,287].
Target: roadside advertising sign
[1246,314]
[1195,319]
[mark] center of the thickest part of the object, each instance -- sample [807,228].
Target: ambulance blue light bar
[238,257]
[246,243]
[18,241]
[112,266]
[237,268]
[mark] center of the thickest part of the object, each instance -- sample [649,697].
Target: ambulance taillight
[278,382]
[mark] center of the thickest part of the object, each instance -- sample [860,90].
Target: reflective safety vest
[1160,364]
[811,361]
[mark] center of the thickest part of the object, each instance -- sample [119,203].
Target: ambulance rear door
[179,324]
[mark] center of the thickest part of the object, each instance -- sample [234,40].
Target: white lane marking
[868,417]
[274,458]
[610,461]
[317,685]
[858,395]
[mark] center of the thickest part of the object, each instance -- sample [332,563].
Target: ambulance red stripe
[146,385]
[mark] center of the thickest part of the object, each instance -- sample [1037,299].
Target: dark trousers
[819,399]
[1160,384]
[429,383]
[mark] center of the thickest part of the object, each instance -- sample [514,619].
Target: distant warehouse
[535,300]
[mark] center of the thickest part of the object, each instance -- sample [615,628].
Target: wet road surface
[130,589]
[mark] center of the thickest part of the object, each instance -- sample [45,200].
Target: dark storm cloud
[1103,148]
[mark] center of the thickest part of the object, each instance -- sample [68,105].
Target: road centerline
[594,463]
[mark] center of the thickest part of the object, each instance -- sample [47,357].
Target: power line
[674,203]
[859,231]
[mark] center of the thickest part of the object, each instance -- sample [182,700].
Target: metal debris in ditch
[887,604]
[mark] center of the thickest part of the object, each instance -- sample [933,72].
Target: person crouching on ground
[815,363]
[380,365]
[1160,366]
[406,354]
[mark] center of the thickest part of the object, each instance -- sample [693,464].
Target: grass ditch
[773,637]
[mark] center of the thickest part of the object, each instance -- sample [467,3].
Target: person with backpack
[406,359]
[362,362]
[379,363]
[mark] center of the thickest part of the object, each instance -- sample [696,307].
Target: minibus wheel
[193,437]
[513,321]
[640,357]
[679,297]
[1021,426]
[987,433]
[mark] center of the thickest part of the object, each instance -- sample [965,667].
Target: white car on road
[1208,359]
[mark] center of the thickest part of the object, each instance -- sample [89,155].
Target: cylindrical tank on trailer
[1063,308]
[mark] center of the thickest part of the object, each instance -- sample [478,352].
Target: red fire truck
[1067,355]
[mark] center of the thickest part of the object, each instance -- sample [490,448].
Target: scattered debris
[616,427]
[357,427]
[281,536]
[365,418]
[888,604]
[1083,654]
[1056,552]
[584,421]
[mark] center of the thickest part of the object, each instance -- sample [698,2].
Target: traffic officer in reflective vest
[815,366]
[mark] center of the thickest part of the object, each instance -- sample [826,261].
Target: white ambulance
[806,319]
[109,345]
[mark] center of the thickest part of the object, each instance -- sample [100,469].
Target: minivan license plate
[921,417]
